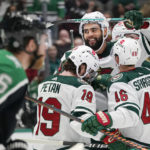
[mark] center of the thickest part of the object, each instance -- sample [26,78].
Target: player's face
[90,76]
[92,36]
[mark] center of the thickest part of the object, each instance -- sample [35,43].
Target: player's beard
[97,45]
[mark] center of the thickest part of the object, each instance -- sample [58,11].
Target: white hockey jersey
[71,95]
[129,104]
[144,41]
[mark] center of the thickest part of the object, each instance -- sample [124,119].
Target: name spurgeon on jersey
[51,87]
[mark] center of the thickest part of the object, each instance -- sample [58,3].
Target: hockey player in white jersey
[94,34]
[120,31]
[70,92]
[128,97]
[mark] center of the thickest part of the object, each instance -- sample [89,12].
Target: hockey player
[128,98]
[21,53]
[94,34]
[120,30]
[70,92]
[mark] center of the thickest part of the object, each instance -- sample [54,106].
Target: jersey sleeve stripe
[129,104]
[81,108]
[133,109]
[78,114]
[13,90]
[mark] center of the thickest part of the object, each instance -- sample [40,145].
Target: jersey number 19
[54,117]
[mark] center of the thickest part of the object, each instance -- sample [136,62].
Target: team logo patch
[116,77]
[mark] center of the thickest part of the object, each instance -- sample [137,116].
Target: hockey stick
[72,39]
[108,133]
[49,24]
[64,143]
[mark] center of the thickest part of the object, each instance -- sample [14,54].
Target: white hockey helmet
[99,19]
[128,50]
[84,54]
[120,30]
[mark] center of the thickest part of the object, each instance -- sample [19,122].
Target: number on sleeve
[87,95]
[53,117]
[121,96]
[146,109]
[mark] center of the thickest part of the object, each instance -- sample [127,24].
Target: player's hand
[99,121]
[113,143]
[146,63]
[101,81]
[134,19]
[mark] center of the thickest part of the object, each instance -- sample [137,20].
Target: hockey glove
[99,121]
[134,19]
[146,63]
[113,143]
[17,145]
[102,81]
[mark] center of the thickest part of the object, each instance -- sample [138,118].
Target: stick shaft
[49,24]
[123,140]
[72,39]
[54,109]
[63,143]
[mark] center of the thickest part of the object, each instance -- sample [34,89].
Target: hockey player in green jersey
[21,53]
[128,98]
[70,92]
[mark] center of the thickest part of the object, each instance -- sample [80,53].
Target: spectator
[53,60]
[145,9]
[78,41]
[92,6]
[63,43]
[122,6]
[31,73]
[76,8]
[104,5]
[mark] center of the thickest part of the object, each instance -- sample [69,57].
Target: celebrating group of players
[120,66]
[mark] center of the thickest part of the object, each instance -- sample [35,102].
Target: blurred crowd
[60,34]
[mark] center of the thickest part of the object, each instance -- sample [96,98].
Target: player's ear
[82,69]
[105,31]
